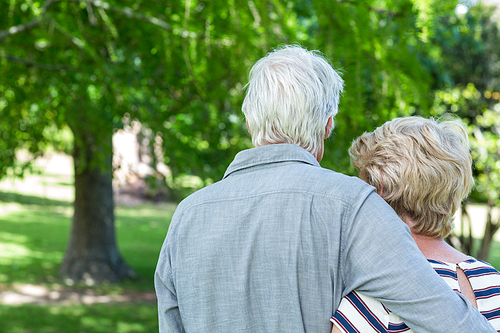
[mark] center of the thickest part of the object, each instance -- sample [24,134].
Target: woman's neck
[438,249]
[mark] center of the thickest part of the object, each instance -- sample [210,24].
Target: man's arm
[169,317]
[381,260]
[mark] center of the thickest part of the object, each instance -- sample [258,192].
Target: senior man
[276,244]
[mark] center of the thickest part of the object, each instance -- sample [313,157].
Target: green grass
[99,318]
[140,233]
[34,231]
[34,236]
[494,257]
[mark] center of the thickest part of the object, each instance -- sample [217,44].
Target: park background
[113,111]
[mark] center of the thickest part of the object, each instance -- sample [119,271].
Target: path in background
[19,294]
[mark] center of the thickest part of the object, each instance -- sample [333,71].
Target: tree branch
[375,9]
[125,11]
[128,12]
[30,25]
[20,28]
[30,63]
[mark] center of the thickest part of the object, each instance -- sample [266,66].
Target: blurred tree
[83,65]
[467,73]
[179,67]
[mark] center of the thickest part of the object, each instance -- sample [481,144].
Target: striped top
[359,313]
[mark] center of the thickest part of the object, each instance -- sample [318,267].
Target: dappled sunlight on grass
[52,178]
[34,231]
[32,242]
[26,199]
[9,207]
[8,237]
[34,234]
[11,251]
[83,319]
[140,233]
[44,186]
[147,210]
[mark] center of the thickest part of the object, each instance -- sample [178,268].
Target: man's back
[273,247]
[252,251]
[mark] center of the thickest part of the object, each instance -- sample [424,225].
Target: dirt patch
[19,294]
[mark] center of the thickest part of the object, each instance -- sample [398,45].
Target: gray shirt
[276,244]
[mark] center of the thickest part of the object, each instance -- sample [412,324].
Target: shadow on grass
[24,199]
[140,233]
[32,245]
[82,319]
[60,184]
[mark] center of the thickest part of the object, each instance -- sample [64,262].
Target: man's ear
[328,128]
[248,127]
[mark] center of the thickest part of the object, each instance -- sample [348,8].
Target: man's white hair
[290,96]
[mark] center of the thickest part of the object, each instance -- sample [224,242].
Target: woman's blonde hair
[422,168]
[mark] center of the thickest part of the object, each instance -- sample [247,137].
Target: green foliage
[466,50]
[467,69]
[380,46]
[482,123]
[179,67]
[469,78]
[486,153]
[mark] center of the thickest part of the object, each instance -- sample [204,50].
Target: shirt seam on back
[231,172]
[314,194]
[342,246]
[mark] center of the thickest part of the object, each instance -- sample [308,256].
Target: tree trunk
[92,254]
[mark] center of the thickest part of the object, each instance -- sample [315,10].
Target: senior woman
[422,168]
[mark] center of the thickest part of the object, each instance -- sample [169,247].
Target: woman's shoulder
[476,268]
[471,266]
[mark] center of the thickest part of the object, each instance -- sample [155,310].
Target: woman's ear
[380,191]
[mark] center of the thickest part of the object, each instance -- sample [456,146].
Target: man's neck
[318,155]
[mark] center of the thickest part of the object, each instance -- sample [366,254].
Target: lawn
[96,318]
[34,230]
[34,234]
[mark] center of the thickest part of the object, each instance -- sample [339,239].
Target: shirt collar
[270,154]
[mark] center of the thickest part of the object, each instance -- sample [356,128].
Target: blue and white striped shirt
[359,313]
